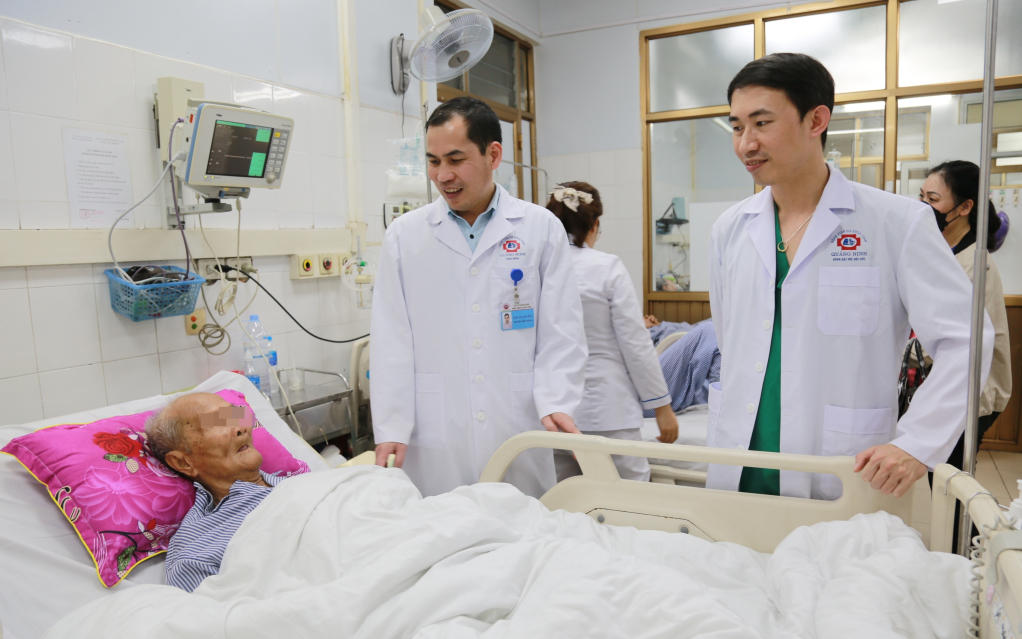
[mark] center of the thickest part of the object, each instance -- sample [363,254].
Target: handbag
[911,377]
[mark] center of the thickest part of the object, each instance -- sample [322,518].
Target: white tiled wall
[65,349]
[618,177]
[51,80]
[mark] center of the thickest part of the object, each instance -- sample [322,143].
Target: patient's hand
[668,423]
[560,422]
[651,321]
[386,449]
[889,469]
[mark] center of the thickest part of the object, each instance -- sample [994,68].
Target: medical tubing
[977,557]
[332,341]
[173,192]
[110,236]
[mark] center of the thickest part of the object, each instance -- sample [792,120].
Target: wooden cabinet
[1006,433]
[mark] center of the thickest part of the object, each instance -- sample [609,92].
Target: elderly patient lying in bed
[208,440]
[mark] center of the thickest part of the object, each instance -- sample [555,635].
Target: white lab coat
[623,374]
[447,380]
[846,315]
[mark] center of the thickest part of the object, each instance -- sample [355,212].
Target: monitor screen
[239,149]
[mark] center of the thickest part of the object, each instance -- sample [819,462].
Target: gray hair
[165,432]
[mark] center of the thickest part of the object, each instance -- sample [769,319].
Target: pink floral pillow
[124,504]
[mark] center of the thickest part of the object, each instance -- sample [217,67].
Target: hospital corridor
[511,318]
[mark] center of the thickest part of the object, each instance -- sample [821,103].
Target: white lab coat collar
[837,196]
[447,230]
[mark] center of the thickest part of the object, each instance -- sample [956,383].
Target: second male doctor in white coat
[815,284]
[477,323]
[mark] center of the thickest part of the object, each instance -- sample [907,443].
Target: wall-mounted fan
[449,44]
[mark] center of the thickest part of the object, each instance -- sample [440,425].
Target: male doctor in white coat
[477,323]
[816,283]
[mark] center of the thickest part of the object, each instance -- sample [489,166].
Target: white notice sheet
[98,178]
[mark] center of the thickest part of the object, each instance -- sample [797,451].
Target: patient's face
[219,437]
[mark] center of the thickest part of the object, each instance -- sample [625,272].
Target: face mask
[942,217]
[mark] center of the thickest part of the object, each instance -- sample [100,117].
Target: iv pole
[979,270]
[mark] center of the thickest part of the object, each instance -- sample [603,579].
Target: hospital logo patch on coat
[512,249]
[848,247]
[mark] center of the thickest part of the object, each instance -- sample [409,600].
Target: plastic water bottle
[251,371]
[258,336]
[271,359]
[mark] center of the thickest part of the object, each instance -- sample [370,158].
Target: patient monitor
[229,149]
[233,149]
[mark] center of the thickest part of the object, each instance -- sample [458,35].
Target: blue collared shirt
[198,546]
[473,232]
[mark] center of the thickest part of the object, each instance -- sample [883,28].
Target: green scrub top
[766,434]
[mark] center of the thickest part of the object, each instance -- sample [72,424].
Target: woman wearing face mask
[951,189]
[623,374]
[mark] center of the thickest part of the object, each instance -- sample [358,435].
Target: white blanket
[358,553]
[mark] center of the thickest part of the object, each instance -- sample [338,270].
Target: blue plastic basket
[149,301]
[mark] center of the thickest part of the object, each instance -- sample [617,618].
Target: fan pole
[429,184]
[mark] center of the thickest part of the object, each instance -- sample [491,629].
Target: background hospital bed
[760,522]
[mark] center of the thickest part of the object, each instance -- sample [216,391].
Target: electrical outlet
[304,266]
[195,321]
[207,268]
[329,265]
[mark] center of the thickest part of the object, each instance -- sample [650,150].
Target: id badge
[517,317]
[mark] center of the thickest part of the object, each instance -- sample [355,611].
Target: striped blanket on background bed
[690,365]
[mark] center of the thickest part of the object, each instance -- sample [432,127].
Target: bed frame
[760,522]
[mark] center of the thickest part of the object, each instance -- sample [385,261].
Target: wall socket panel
[207,268]
[311,265]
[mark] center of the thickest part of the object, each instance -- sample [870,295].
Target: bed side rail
[1000,603]
[756,521]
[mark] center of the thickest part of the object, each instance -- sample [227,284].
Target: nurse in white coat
[816,283]
[452,380]
[623,374]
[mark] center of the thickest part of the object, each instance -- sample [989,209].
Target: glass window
[527,174]
[855,140]
[493,77]
[505,175]
[695,177]
[943,41]
[523,80]
[851,44]
[694,69]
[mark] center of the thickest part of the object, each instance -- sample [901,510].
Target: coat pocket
[849,300]
[849,431]
[430,412]
[523,402]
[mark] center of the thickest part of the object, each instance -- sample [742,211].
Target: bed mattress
[45,570]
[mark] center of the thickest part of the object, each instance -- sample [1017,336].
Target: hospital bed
[45,571]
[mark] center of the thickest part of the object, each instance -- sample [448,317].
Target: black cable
[332,341]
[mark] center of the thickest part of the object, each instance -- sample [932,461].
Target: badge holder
[520,315]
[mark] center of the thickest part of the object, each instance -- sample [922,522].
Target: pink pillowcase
[124,504]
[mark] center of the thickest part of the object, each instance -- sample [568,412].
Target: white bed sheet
[45,570]
[691,432]
[356,552]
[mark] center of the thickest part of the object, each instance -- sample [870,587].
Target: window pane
[851,44]
[693,70]
[527,174]
[505,173]
[856,132]
[695,177]
[943,42]
[493,77]
[523,80]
